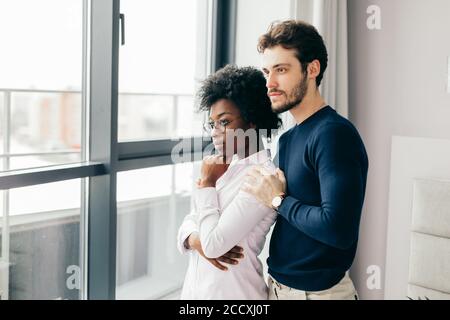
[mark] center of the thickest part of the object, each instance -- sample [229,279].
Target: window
[40,125]
[40,237]
[2,129]
[149,265]
[68,142]
[160,64]
[40,82]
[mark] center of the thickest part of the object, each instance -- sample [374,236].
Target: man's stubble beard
[295,98]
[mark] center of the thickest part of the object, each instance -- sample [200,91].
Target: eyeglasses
[218,125]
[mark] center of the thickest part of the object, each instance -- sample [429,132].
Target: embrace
[312,191]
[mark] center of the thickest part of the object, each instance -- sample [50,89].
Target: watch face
[276,201]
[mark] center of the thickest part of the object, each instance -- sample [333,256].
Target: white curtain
[330,19]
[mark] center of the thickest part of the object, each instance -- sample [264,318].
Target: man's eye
[281,70]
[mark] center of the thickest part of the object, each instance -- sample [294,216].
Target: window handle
[122,28]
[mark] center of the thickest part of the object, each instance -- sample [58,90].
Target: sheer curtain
[330,19]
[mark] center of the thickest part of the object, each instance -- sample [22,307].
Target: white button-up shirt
[225,217]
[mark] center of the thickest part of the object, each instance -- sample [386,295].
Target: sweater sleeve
[339,159]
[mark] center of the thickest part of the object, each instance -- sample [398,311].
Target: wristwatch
[276,201]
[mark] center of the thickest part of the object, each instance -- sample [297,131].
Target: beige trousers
[344,290]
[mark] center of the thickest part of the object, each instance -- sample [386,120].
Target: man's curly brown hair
[298,35]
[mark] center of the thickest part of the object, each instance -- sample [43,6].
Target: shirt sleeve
[220,230]
[339,158]
[188,227]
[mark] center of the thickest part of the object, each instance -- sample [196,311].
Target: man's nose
[270,82]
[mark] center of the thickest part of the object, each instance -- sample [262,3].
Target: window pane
[42,160]
[2,129]
[41,44]
[159,66]
[41,78]
[149,265]
[40,256]
[43,122]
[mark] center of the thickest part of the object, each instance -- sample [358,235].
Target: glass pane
[42,122]
[41,78]
[149,214]
[41,44]
[158,70]
[43,160]
[40,256]
[2,129]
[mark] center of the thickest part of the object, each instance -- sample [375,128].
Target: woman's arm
[221,231]
[188,239]
[188,227]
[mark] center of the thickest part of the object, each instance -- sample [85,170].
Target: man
[319,188]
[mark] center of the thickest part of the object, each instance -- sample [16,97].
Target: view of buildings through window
[41,124]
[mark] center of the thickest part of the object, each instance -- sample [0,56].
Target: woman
[228,224]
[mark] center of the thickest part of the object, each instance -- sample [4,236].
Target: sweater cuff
[286,206]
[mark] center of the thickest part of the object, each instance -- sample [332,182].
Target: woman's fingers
[227,260]
[216,263]
[233,255]
[237,249]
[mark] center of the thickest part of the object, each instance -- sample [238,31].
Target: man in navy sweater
[319,187]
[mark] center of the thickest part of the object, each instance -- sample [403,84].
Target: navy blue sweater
[315,237]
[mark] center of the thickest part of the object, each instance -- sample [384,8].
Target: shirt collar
[260,157]
[256,158]
[236,163]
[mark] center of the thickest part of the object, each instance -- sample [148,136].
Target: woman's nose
[215,132]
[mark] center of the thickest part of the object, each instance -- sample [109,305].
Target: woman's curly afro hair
[246,88]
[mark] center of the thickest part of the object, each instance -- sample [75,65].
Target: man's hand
[263,185]
[213,167]
[230,257]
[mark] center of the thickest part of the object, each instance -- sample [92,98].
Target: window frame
[103,156]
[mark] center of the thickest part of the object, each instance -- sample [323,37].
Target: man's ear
[314,69]
[252,125]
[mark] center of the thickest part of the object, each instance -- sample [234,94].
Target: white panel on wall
[431,207]
[411,159]
[429,264]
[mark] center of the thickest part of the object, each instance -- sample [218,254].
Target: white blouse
[225,217]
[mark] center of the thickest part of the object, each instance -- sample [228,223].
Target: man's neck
[309,106]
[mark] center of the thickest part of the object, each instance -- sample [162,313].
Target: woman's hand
[230,257]
[213,167]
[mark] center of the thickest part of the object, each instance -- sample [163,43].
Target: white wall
[398,81]
[253,20]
